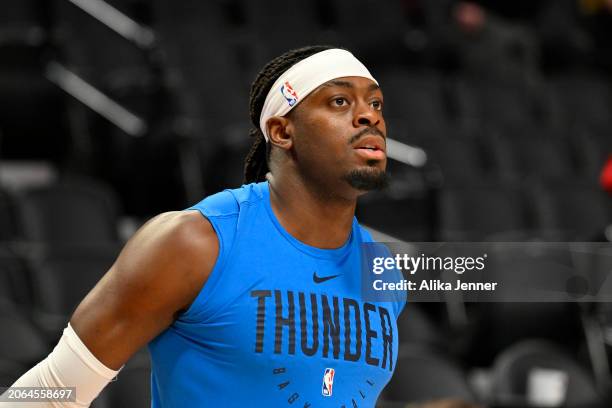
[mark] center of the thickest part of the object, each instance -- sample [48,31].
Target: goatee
[368,179]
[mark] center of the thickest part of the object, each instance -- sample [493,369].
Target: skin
[165,264]
[312,154]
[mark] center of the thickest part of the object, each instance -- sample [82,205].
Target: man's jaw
[367,178]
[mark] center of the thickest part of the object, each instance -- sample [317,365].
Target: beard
[367,179]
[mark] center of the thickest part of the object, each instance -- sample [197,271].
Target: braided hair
[256,161]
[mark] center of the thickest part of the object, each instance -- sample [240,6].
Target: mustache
[367,131]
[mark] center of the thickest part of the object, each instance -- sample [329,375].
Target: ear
[280,131]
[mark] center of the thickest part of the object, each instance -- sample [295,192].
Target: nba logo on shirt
[289,94]
[328,382]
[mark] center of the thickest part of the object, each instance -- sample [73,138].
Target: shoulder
[180,245]
[180,228]
[230,202]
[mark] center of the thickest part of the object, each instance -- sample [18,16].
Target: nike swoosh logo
[321,279]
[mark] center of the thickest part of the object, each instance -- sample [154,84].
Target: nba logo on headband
[289,94]
[305,76]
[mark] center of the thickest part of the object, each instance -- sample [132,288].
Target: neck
[310,215]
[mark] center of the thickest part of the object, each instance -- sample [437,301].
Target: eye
[377,105]
[340,101]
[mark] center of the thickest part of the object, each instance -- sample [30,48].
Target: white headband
[306,76]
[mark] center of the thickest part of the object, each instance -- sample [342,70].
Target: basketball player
[252,297]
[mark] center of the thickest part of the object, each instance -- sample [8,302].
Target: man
[252,297]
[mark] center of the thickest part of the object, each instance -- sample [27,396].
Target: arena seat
[582,98]
[542,311]
[8,227]
[577,211]
[223,159]
[408,197]
[61,277]
[145,80]
[531,153]
[387,25]
[83,213]
[412,381]
[592,146]
[417,328]
[10,372]
[269,21]
[21,342]
[513,367]
[15,287]
[475,213]
[417,97]
[219,66]
[498,325]
[459,160]
[486,102]
[599,271]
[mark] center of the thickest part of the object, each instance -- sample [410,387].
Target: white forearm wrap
[70,364]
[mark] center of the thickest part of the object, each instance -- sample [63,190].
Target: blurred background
[499,117]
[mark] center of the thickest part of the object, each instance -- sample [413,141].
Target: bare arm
[158,274]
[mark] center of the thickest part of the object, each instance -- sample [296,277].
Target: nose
[366,116]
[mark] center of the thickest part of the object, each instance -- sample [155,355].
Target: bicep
[159,273]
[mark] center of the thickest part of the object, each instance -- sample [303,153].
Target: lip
[371,145]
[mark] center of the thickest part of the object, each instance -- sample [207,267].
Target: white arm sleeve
[70,364]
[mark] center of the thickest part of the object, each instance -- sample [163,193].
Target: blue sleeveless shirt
[278,323]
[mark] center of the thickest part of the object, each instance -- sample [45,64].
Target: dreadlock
[256,161]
